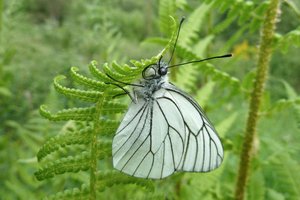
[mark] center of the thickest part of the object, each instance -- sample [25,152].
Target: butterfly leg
[125,91]
[121,94]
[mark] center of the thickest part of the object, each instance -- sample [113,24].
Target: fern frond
[90,83]
[124,69]
[201,47]
[257,186]
[125,73]
[90,96]
[292,38]
[113,107]
[104,149]
[109,126]
[245,12]
[293,99]
[283,104]
[222,77]
[111,72]
[72,194]
[157,40]
[202,96]
[193,25]
[97,73]
[223,25]
[101,120]
[223,5]
[79,114]
[258,12]
[167,8]
[108,179]
[235,8]
[283,172]
[140,65]
[185,53]
[69,164]
[54,144]
[209,70]
[187,83]
[234,38]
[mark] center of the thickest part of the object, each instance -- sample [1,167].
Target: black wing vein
[166,133]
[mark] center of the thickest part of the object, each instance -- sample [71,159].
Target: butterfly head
[155,71]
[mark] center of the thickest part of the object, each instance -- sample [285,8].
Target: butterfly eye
[149,72]
[162,71]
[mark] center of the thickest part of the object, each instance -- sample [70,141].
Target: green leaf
[80,114]
[290,91]
[60,141]
[90,96]
[167,8]
[256,186]
[72,194]
[94,126]
[109,179]
[224,126]
[192,25]
[204,93]
[201,47]
[90,83]
[273,194]
[283,176]
[69,164]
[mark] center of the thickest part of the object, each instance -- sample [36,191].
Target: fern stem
[264,56]
[94,144]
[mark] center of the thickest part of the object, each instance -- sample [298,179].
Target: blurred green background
[40,39]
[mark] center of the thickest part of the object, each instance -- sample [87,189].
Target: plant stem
[264,56]
[94,149]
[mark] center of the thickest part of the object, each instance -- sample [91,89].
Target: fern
[17,183]
[193,25]
[207,69]
[290,38]
[250,12]
[167,8]
[256,189]
[245,14]
[284,170]
[191,49]
[81,147]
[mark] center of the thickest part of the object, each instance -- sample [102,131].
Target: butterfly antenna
[196,61]
[180,24]
[159,61]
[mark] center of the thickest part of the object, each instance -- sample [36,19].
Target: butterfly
[164,130]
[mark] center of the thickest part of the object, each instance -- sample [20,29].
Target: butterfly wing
[203,150]
[165,134]
[149,141]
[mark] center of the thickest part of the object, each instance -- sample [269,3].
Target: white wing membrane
[166,134]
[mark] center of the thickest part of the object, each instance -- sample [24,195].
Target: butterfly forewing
[164,134]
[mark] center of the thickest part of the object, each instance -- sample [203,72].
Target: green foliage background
[42,39]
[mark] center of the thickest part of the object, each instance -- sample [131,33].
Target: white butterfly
[164,130]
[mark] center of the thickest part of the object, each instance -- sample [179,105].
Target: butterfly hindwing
[203,148]
[165,134]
